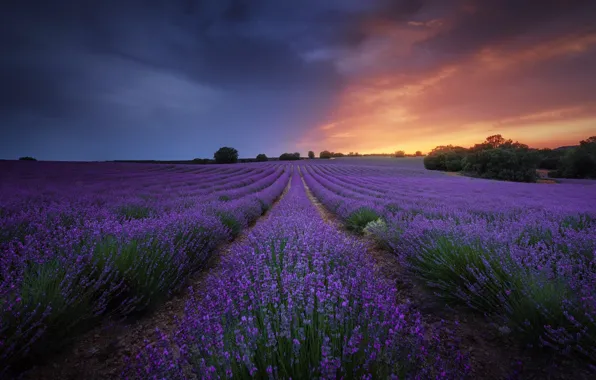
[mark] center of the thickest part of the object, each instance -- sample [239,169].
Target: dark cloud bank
[95,80]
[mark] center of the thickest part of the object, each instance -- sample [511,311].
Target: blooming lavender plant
[80,242]
[524,254]
[298,300]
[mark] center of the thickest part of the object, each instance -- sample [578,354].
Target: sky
[177,79]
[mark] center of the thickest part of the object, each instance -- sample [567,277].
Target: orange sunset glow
[408,91]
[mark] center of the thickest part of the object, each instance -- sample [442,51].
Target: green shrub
[27,158]
[358,219]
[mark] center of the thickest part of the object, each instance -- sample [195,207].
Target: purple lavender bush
[524,254]
[298,300]
[81,242]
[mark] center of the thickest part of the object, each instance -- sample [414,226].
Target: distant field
[295,296]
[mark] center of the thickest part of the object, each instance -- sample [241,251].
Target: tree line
[228,155]
[498,158]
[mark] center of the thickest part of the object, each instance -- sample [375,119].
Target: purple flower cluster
[525,254]
[81,241]
[298,299]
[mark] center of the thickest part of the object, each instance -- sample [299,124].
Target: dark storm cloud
[518,23]
[99,75]
[459,29]
[237,11]
[67,58]
[210,43]
[68,67]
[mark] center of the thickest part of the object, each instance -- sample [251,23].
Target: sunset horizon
[185,78]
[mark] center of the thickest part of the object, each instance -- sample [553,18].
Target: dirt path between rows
[100,353]
[493,355]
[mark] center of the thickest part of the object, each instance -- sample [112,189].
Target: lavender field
[524,255]
[82,241]
[297,293]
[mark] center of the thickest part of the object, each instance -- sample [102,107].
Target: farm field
[300,293]
[83,241]
[523,255]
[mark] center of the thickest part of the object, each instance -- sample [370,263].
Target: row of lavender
[298,299]
[524,254]
[79,242]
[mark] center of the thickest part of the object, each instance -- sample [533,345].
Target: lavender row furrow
[75,261]
[300,300]
[526,257]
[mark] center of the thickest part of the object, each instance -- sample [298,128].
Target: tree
[262,157]
[502,159]
[495,158]
[27,158]
[495,141]
[400,154]
[445,158]
[579,162]
[550,159]
[226,155]
[418,153]
[290,156]
[325,154]
[507,164]
[311,154]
